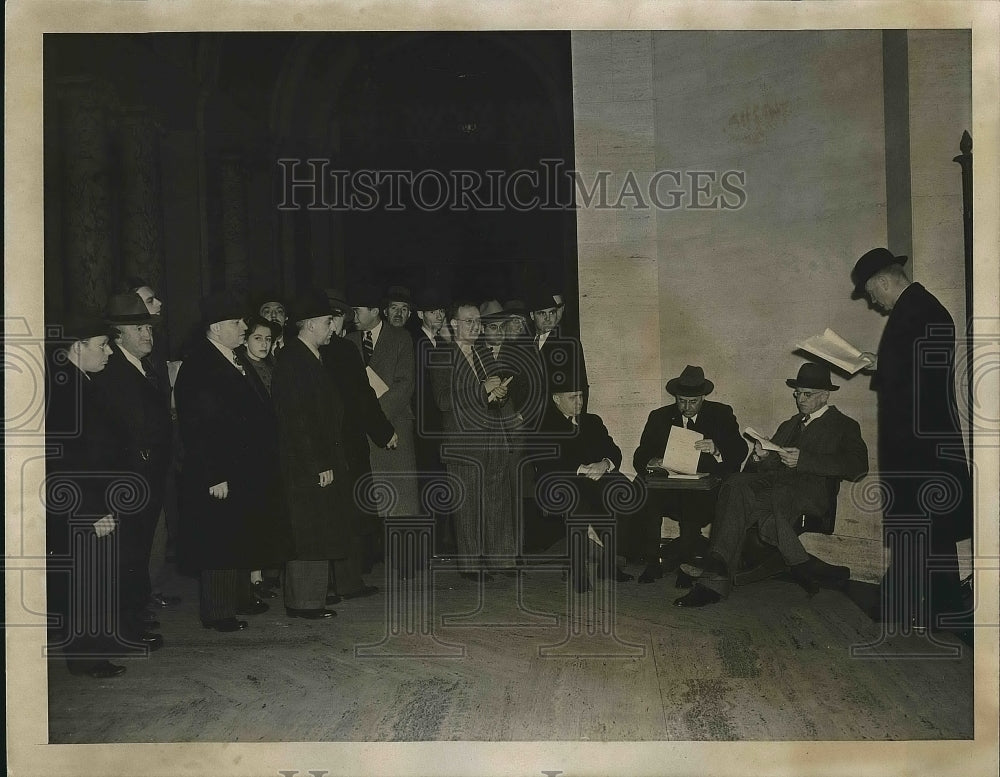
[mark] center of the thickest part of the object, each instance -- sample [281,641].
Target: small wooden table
[657,479]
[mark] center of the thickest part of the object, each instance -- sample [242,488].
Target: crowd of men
[296,428]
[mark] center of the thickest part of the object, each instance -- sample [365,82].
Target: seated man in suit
[722,452]
[587,459]
[819,446]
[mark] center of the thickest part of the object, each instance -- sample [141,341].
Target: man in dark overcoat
[232,516]
[920,443]
[722,451]
[314,465]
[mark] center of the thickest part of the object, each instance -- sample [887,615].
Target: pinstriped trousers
[484,522]
[223,592]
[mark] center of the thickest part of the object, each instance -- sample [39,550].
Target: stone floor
[504,662]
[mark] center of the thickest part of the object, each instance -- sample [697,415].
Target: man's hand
[706,446]
[594,471]
[872,360]
[220,490]
[492,384]
[789,457]
[325,478]
[391,445]
[104,526]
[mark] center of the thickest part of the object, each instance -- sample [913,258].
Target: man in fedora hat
[722,451]
[397,306]
[555,352]
[136,400]
[919,439]
[232,518]
[272,309]
[819,447]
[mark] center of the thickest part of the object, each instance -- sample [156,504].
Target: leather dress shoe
[261,591]
[311,615]
[801,575]
[705,566]
[226,625]
[699,596]
[258,607]
[332,599]
[367,590]
[99,671]
[683,580]
[651,573]
[149,639]
[828,575]
[163,600]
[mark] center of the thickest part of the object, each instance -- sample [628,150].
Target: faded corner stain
[752,122]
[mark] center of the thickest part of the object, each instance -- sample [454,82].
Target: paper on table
[378,385]
[765,443]
[835,349]
[680,455]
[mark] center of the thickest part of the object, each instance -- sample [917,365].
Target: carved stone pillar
[234,224]
[87,244]
[141,207]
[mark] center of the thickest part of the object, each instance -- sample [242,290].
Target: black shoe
[163,600]
[258,607]
[706,566]
[333,599]
[828,575]
[699,596]
[312,615]
[366,590]
[261,591]
[149,639]
[651,573]
[226,625]
[99,671]
[801,575]
[683,580]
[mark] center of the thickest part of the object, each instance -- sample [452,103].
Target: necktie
[147,368]
[368,347]
[797,431]
[240,367]
[688,423]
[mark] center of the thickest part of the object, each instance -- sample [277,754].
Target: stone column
[234,224]
[87,245]
[141,203]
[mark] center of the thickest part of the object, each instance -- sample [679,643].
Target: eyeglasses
[805,394]
[496,327]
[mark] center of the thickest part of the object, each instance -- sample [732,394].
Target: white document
[592,536]
[765,442]
[378,385]
[680,455]
[835,349]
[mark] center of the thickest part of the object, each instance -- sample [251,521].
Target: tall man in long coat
[919,440]
[314,469]
[232,519]
[387,352]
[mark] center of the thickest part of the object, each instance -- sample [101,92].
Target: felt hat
[539,300]
[397,294]
[338,301]
[812,376]
[78,325]
[128,308]
[431,298]
[221,306]
[690,383]
[491,310]
[365,295]
[869,264]
[310,303]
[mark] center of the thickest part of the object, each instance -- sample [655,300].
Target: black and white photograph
[459,389]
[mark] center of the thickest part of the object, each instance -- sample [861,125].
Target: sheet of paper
[592,536]
[765,442]
[680,455]
[833,348]
[378,385]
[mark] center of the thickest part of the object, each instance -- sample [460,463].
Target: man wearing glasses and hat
[136,399]
[721,453]
[818,447]
[919,439]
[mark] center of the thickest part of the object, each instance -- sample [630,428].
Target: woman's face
[259,343]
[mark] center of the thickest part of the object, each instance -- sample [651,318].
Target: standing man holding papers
[720,452]
[919,440]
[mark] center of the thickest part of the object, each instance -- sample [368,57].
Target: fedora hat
[431,298]
[79,325]
[365,295]
[869,264]
[690,383]
[539,300]
[397,294]
[491,310]
[222,306]
[812,376]
[128,308]
[338,301]
[310,303]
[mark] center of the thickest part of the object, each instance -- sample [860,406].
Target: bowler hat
[539,300]
[310,303]
[222,306]
[365,295]
[81,326]
[397,294]
[813,376]
[338,301]
[869,264]
[690,383]
[431,298]
[128,308]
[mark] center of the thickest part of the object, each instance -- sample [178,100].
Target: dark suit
[138,415]
[920,440]
[310,441]
[480,448]
[691,509]
[228,429]
[80,474]
[429,427]
[772,496]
